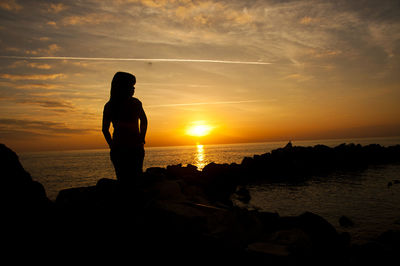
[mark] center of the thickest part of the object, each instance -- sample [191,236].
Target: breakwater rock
[176,215]
[292,163]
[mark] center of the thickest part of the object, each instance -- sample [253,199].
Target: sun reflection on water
[200,161]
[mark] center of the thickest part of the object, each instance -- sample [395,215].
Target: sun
[199,129]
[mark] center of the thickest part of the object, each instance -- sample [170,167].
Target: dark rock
[243,194]
[345,221]
[220,181]
[390,238]
[178,171]
[294,163]
[321,231]
[179,213]
[76,197]
[371,253]
[288,146]
[17,187]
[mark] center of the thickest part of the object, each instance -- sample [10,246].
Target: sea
[363,196]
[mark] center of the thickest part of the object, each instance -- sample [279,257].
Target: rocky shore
[181,215]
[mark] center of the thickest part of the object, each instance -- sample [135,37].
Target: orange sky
[252,70]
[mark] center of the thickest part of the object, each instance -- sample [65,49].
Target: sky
[251,71]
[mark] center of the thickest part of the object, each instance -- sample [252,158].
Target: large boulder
[18,191]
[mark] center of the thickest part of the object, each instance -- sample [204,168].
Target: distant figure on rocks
[130,125]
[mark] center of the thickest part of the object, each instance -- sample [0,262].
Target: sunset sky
[249,71]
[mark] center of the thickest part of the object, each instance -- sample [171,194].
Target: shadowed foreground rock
[176,215]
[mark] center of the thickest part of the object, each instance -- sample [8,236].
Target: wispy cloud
[56,8]
[41,127]
[45,127]
[29,64]
[32,77]
[50,50]
[10,5]
[91,19]
[48,103]
[203,103]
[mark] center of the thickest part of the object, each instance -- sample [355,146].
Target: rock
[322,234]
[390,238]
[181,214]
[269,249]
[178,171]
[243,194]
[18,190]
[294,163]
[345,222]
[169,190]
[296,241]
[81,197]
[288,146]
[220,181]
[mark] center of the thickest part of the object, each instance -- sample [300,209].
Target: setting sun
[199,129]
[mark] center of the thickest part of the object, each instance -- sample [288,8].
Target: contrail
[134,59]
[209,103]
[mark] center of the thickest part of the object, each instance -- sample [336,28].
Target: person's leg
[140,159]
[114,156]
[121,161]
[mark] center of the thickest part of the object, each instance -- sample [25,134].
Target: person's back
[130,125]
[125,120]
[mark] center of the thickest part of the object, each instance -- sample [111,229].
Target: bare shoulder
[107,107]
[136,101]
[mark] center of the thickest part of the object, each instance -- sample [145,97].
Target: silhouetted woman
[125,113]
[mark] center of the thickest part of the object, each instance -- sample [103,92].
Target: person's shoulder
[107,105]
[136,101]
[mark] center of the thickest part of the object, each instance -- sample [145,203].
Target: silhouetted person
[128,139]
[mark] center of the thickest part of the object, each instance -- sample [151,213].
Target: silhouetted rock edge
[182,213]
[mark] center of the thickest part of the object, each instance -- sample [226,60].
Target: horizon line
[135,59]
[230,143]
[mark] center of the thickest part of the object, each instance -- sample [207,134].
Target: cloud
[10,134]
[44,39]
[34,86]
[91,19]
[16,77]
[299,77]
[40,127]
[56,8]
[39,66]
[203,13]
[52,23]
[308,20]
[50,50]
[204,103]
[319,53]
[13,49]
[10,5]
[46,103]
[35,65]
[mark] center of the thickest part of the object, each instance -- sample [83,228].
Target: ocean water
[362,196]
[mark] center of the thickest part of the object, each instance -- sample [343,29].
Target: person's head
[122,86]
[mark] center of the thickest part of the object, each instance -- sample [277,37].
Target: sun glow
[199,129]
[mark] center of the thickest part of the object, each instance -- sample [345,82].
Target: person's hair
[121,85]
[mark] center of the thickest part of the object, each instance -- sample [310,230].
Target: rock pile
[181,215]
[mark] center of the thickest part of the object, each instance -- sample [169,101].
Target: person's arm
[106,126]
[143,125]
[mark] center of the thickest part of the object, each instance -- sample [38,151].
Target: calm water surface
[362,196]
